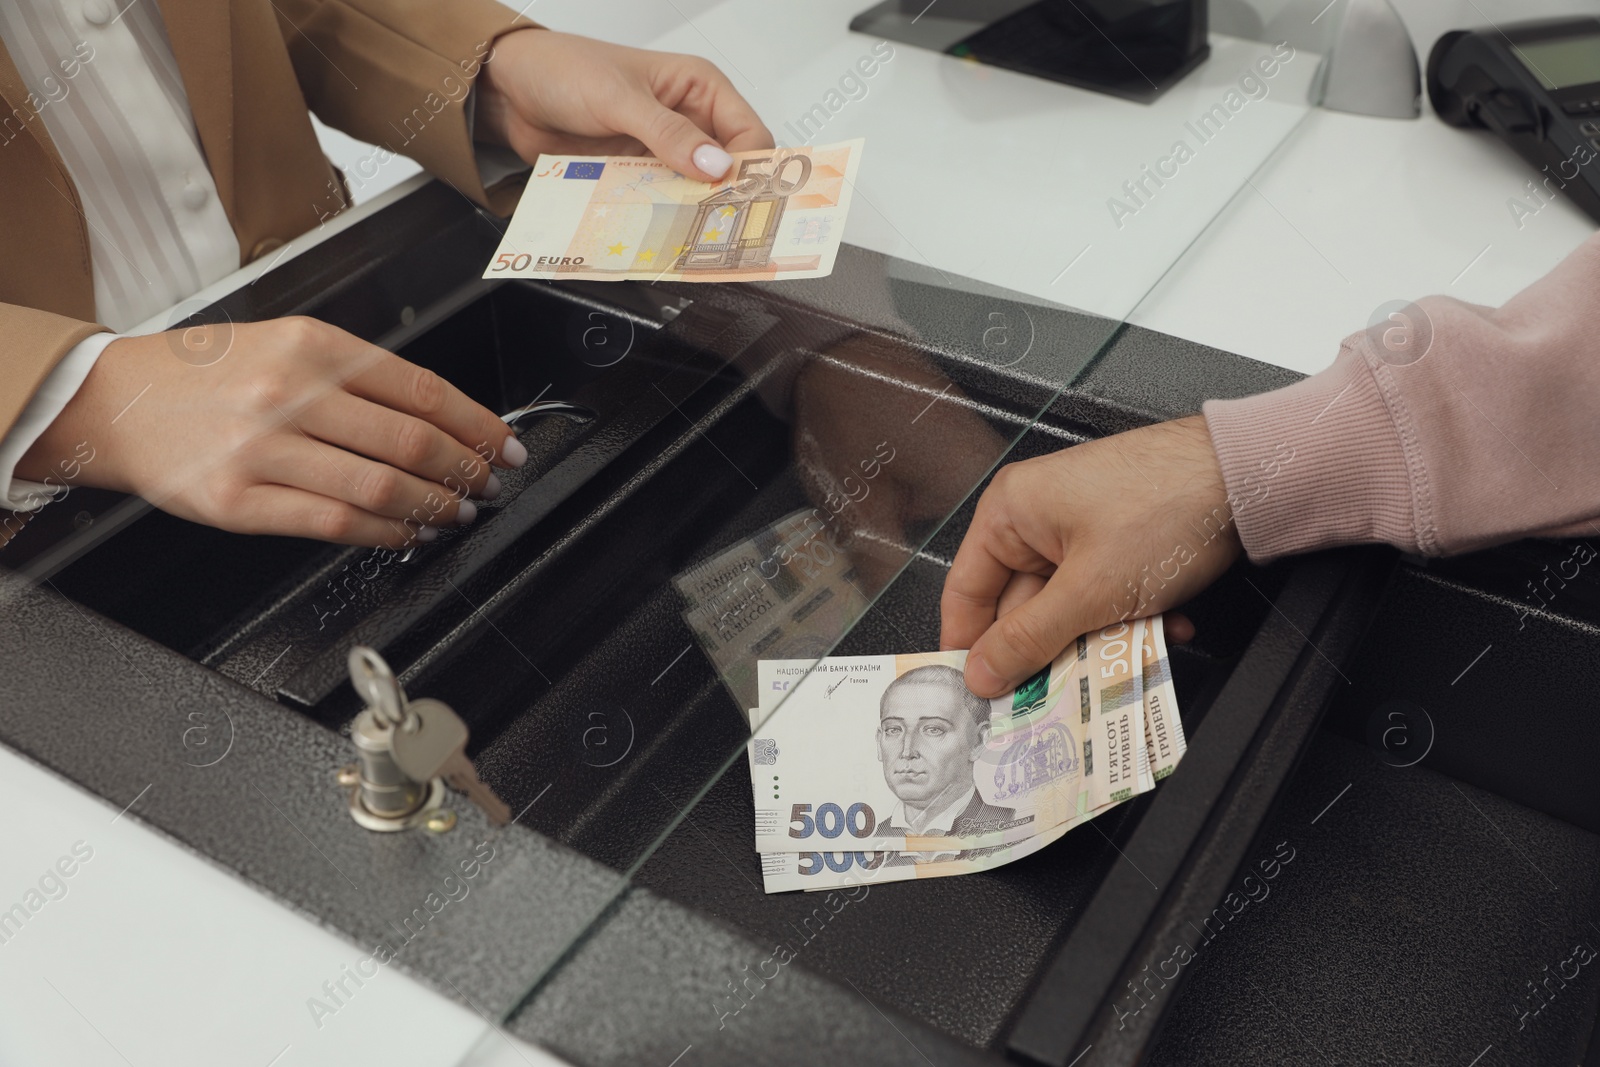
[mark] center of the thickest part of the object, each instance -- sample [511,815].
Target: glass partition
[991,292]
[718,474]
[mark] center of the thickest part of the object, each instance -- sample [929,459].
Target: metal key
[433,742]
[378,686]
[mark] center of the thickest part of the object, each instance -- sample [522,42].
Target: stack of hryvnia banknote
[870,769]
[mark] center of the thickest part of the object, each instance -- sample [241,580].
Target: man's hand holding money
[1121,527]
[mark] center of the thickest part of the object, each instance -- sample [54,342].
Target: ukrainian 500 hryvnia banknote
[872,769]
[912,761]
[788,592]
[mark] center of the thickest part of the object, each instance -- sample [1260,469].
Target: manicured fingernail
[491,488]
[427,533]
[981,678]
[712,160]
[513,452]
[466,511]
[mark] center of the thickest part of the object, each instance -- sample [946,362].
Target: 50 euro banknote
[778,213]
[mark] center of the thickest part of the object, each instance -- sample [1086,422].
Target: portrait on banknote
[931,730]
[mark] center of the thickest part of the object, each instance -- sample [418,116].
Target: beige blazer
[251,69]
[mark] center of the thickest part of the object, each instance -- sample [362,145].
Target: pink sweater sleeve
[1452,427]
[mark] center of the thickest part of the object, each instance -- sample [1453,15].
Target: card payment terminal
[1536,85]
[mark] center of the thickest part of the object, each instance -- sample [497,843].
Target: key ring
[511,418]
[378,686]
[542,407]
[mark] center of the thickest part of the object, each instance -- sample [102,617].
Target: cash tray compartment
[556,604]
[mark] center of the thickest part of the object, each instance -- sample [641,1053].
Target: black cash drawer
[556,602]
[1446,888]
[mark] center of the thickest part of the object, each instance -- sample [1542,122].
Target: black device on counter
[1135,49]
[1536,85]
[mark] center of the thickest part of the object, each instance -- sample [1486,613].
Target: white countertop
[1283,234]
[146,954]
[1353,214]
[156,956]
